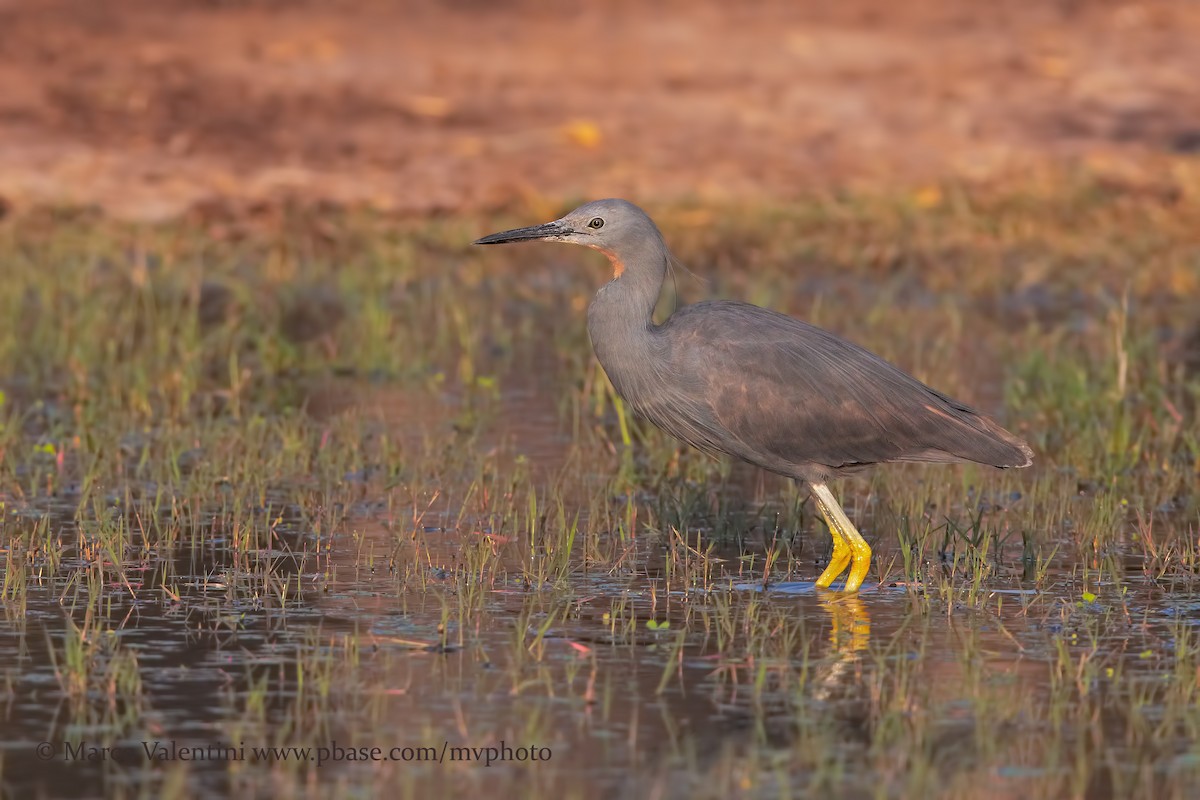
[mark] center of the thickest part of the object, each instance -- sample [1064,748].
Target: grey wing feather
[785,393]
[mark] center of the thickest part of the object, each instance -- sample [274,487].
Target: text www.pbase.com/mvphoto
[332,753]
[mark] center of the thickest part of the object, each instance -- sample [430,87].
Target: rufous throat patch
[617,264]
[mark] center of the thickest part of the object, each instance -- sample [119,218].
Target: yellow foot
[849,547]
[837,562]
[860,567]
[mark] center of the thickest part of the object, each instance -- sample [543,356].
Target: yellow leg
[838,561]
[848,544]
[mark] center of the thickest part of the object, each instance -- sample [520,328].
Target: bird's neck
[621,319]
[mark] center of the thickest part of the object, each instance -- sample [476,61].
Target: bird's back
[800,401]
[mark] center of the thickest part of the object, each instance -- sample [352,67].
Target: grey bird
[789,397]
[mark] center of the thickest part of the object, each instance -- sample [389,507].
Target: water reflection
[850,624]
[432,626]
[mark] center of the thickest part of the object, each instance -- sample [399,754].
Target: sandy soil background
[148,108]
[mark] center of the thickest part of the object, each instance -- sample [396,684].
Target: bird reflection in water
[850,628]
[823,675]
[837,679]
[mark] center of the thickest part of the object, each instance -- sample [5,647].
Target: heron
[729,377]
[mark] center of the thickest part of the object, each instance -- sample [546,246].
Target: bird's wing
[801,395]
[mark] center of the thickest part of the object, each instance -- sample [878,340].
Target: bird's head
[617,228]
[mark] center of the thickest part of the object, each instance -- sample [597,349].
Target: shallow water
[460,577]
[622,674]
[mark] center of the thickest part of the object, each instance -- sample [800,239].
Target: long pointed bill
[550,230]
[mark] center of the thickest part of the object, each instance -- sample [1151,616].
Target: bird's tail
[1003,449]
[971,436]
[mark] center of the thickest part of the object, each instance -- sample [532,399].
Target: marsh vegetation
[333,480]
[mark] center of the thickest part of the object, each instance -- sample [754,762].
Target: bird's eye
[596,223]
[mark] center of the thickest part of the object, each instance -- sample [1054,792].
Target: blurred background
[346,478]
[150,108]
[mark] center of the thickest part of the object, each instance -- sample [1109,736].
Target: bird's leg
[849,547]
[839,559]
